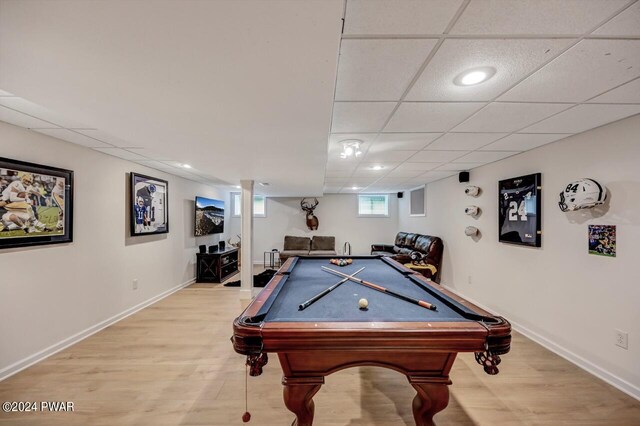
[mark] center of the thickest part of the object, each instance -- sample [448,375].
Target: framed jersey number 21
[519,210]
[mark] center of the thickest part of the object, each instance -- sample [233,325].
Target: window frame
[387,204]
[239,203]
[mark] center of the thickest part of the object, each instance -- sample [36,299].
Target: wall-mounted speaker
[463,177]
[203,249]
[400,194]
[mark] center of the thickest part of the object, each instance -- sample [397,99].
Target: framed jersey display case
[519,210]
[149,205]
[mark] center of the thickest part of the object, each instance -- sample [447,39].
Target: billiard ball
[363,303]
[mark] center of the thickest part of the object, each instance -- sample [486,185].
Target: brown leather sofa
[305,246]
[406,243]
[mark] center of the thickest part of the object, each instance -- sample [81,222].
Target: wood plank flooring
[172,364]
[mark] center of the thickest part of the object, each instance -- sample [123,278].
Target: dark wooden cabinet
[217,267]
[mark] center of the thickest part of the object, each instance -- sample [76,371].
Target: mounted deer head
[312,221]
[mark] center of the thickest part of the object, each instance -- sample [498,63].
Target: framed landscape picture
[149,205]
[36,204]
[519,210]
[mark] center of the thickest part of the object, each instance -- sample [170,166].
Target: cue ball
[363,303]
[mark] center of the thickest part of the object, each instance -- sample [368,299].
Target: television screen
[209,216]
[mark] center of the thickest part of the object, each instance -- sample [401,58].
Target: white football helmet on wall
[582,194]
[472,191]
[472,210]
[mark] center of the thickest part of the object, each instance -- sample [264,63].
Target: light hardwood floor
[172,364]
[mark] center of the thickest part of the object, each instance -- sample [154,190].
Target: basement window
[373,205]
[259,205]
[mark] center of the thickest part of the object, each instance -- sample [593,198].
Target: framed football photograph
[36,204]
[519,210]
[149,205]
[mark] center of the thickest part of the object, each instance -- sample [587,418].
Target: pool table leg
[298,397]
[432,397]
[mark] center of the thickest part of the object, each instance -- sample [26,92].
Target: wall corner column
[246,232]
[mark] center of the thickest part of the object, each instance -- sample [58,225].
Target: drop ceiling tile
[583,117]
[512,59]
[22,120]
[485,156]
[391,181]
[508,117]
[157,165]
[365,172]
[410,166]
[523,142]
[626,23]
[360,182]
[403,141]
[401,173]
[360,116]
[436,175]
[436,156]
[459,167]
[534,16]
[379,70]
[586,70]
[341,165]
[395,156]
[464,141]
[44,114]
[3,93]
[399,16]
[125,155]
[77,138]
[627,93]
[430,116]
[108,138]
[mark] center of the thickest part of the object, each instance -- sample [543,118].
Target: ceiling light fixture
[355,188]
[186,166]
[264,183]
[377,167]
[351,148]
[474,76]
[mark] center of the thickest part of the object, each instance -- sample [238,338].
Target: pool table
[335,333]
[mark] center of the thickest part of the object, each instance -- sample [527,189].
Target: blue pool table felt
[307,279]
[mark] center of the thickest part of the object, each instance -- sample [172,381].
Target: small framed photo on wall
[602,240]
[36,204]
[519,210]
[149,205]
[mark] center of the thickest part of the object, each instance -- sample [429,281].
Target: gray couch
[305,246]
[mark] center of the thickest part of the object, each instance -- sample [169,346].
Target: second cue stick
[383,290]
[325,292]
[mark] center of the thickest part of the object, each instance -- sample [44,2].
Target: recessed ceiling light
[238,187]
[264,183]
[355,188]
[186,166]
[377,167]
[474,76]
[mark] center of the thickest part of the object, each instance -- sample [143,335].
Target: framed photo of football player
[519,210]
[149,207]
[36,204]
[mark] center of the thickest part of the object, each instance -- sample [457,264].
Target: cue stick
[383,290]
[318,296]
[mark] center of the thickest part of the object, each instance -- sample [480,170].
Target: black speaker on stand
[221,245]
[203,249]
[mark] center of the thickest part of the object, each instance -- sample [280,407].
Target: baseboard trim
[615,381]
[72,340]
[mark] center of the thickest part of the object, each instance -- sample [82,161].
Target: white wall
[338,216]
[559,294]
[50,293]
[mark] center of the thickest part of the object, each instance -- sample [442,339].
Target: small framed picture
[602,240]
[519,210]
[149,205]
[36,204]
